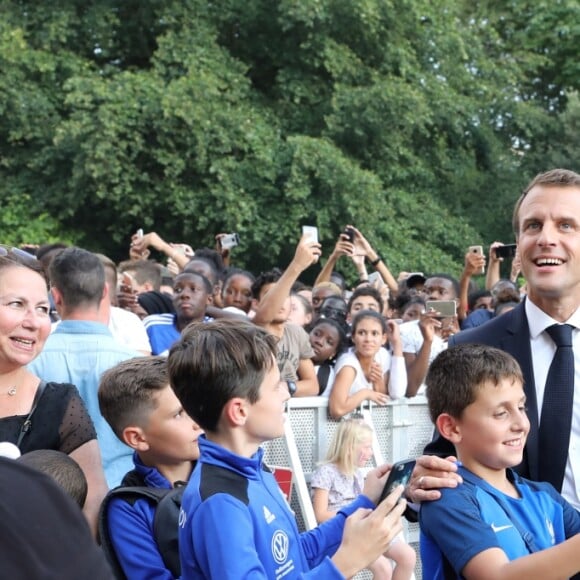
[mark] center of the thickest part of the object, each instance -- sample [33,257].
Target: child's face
[492,431]
[368,337]
[364,452]
[413,312]
[362,303]
[170,432]
[238,292]
[266,418]
[298,314]
[324,340]
[190,296]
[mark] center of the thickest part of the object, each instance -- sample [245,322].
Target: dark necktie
[556,418]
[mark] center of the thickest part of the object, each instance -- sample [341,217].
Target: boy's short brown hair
[458,372]
[216,361]
[126,391]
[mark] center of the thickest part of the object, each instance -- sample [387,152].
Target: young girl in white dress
[340,479]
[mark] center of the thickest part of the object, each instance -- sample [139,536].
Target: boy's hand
[375,482]
[431,473]
[307,253]
[368,533]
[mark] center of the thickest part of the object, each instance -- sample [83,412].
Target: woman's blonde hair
[348,435]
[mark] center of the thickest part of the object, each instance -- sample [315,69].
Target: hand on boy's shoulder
[432,473]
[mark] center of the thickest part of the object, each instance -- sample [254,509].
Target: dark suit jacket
[509,332]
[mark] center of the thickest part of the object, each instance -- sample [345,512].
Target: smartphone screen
[400,475]
[444,307]
[479,251]
[311,232]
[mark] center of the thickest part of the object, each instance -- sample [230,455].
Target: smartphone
[400,475]
[311,232]
[229,241]
[479,251]
[444,307]
[374,277]
[349,233]
[506,251]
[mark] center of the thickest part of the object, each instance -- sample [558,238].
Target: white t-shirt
[395,365]
[128,329]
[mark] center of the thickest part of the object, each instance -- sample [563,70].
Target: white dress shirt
[543,350]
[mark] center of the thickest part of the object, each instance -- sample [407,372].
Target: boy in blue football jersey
[496,524]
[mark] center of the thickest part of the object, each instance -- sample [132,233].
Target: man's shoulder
[493,331]
[216,479]
[158,320]
[294,332]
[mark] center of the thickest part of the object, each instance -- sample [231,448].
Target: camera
[229,241]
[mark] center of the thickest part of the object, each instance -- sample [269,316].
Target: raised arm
[342,248]
[153,240]
[473,265]
[362,245]
[307,253]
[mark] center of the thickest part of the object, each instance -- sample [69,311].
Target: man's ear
[236,411]
[449,427]
[106,292]
[135,438]
[56,296]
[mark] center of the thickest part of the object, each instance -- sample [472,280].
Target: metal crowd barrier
[402,429]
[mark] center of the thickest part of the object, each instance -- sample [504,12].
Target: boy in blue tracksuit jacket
[234,521]
[136,400]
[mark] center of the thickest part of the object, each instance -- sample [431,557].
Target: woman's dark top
[61,422]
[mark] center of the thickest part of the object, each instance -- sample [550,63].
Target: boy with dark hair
[364,298]
[496,524]
[234,521]
[191,296]
[143,411]
[62,468]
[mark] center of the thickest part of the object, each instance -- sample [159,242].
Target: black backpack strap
[166,527]
[130,495]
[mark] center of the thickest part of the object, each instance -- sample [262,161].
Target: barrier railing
[402,429]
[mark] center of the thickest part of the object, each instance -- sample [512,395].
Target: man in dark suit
[547,225]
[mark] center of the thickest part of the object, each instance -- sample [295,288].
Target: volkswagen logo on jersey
[280,546]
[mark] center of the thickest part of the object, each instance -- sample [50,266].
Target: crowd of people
[169,374]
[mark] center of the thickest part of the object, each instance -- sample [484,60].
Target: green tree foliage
[416,120]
